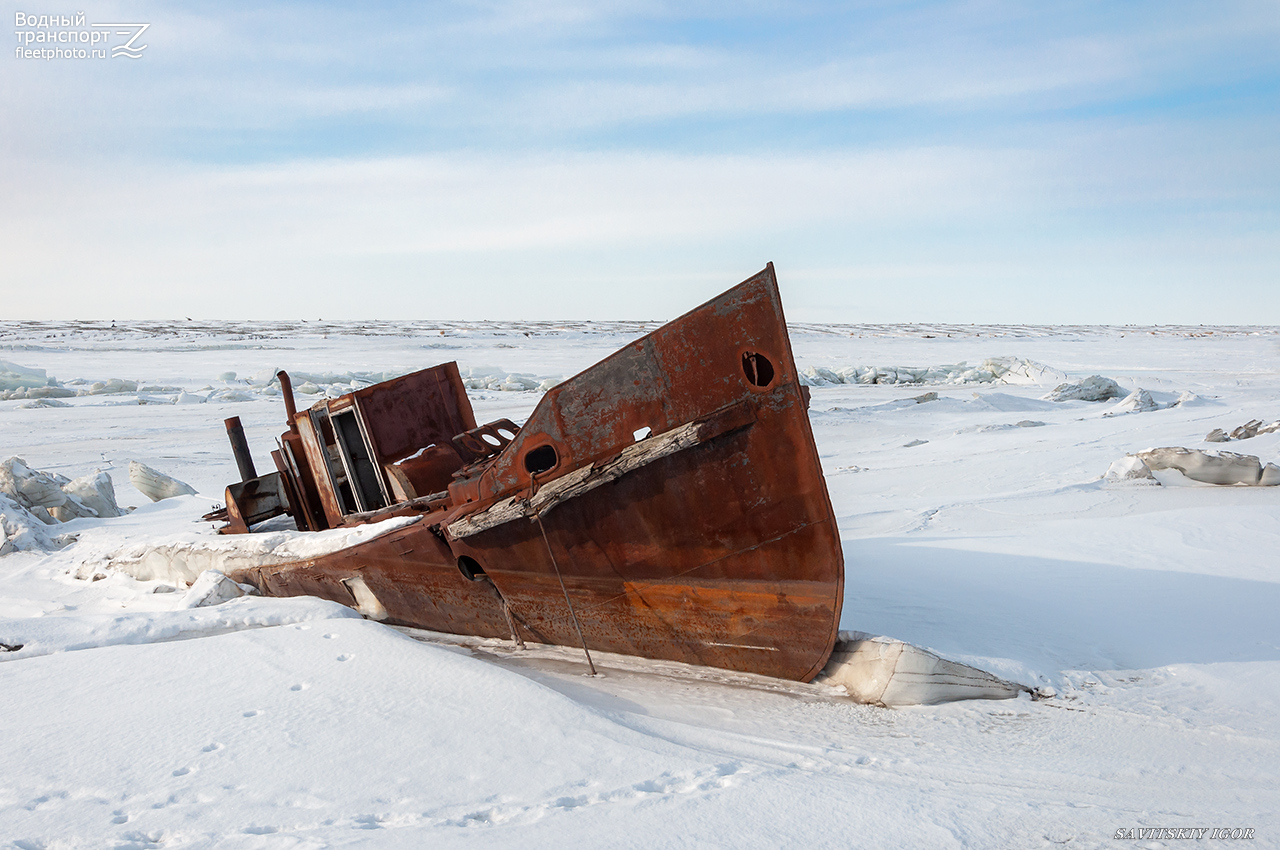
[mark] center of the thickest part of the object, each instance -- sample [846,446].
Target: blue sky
[917,161]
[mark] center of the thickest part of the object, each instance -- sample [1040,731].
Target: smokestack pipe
[286,387]
[240,448]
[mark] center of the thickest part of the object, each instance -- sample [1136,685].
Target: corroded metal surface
[677,484]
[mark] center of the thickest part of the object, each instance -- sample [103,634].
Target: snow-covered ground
[976,524]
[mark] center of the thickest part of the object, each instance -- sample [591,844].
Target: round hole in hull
[757,368]
[541,459]
[470,568]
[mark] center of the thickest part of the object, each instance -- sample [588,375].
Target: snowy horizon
[172,325]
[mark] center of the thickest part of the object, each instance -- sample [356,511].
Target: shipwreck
[667,502]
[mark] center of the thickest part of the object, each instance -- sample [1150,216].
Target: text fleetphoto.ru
[57,36]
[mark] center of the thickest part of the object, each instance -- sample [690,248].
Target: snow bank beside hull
[877,670]
[181,561]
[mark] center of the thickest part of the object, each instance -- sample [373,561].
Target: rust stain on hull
[677,483]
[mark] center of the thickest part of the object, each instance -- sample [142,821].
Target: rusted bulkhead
[674,486]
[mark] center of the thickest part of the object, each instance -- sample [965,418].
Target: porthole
[541,459]
[470,568]
[757,368]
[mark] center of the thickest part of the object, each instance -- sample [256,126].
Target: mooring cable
[563,590]
[506,612]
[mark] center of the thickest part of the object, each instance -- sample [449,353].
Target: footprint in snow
[211,748]
[346,656]
[182,771]
[711,779]
[253,713]
[667,784]
[46,798]
[302,686]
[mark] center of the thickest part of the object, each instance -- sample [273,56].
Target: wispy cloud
[480,74]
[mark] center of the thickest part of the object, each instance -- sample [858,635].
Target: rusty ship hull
[667,502]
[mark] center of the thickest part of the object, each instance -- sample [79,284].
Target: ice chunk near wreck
[1092,388]
[1024,372]
[1208,466]
[155,485]
[31,488]
[1247,431]
[1138,401]
[95,491]
[22,530]
[1130,468]
[39,403]
[1008,370]
[19,529]
[213,588]
[15,378]
[819,376]
[52,498]
[113,386]
[1270,475]
[518,383]
[227,396]
[882,671]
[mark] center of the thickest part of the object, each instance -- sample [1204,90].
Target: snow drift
[878,670]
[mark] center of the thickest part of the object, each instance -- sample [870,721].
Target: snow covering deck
[179,559]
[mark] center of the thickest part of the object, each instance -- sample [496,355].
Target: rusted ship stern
[667,502]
